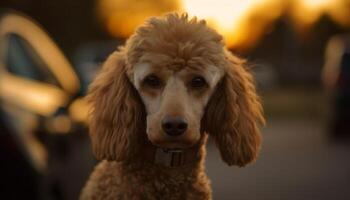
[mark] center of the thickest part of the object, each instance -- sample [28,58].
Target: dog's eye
[198,82]
[152,81]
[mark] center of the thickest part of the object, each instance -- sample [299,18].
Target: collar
[170,157]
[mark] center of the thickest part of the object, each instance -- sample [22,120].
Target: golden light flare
[241,22]
[34,96]
[305,13]
[42,43]
[79,110]
[123,16]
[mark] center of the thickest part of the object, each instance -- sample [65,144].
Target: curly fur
[118,116]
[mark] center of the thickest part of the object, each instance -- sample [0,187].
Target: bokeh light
[242,23]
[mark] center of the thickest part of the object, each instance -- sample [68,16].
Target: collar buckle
[169,157]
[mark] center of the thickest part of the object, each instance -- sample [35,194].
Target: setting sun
[242,23]
[232,18]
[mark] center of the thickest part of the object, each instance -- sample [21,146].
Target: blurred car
[336,79]
[40,106]
[89,57]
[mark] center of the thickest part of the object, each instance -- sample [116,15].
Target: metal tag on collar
[169,157]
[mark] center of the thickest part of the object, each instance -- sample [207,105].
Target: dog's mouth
[172,144]
[163,141]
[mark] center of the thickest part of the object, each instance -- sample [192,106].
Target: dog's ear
[233,115]
[117,113]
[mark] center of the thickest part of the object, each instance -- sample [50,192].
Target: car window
[22,60]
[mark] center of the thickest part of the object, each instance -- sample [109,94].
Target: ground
[298,161]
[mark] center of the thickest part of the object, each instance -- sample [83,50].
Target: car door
[36,81]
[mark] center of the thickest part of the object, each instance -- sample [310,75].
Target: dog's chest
[159,184]
[113,181]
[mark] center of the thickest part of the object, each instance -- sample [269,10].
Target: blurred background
[298,50]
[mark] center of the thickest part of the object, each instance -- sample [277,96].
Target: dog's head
[173,82]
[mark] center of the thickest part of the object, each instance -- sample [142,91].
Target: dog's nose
[174,126]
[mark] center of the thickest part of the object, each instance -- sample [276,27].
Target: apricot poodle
[153,105]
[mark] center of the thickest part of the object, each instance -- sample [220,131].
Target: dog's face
[175,98]
[171,83]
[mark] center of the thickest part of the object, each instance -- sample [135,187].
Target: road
[297,161]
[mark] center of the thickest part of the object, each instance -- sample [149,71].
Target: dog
[153,105]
